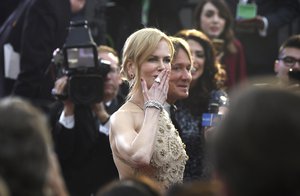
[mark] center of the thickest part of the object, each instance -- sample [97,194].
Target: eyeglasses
[290,61]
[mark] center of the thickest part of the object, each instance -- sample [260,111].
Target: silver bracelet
[153,104]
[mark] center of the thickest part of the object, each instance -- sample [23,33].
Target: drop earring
[131,76]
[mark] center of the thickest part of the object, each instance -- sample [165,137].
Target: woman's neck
[138,99]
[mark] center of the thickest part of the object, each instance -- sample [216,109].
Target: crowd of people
[143,133]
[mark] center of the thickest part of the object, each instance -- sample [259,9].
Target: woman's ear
[130,70]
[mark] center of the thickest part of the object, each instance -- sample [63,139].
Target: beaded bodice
[169,157]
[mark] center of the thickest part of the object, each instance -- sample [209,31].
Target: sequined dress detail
[169,157]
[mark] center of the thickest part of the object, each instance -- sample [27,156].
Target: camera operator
[81,133]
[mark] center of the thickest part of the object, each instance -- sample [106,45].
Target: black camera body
[86,73]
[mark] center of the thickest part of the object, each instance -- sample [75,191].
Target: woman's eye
[209,14]
[167,60]
[199,54]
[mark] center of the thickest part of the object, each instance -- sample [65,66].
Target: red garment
[235,65]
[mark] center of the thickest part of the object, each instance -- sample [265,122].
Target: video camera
[78,59]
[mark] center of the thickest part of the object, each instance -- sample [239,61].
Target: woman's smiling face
[198,55]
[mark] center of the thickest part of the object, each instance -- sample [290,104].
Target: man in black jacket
[81,134]
[40,28]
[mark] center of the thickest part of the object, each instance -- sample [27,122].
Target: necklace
[131,101]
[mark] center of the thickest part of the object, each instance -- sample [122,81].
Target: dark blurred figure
[4,188]
[259,35]
[135,186]
[6,8]
[123,17]
[28,165]
[41,29]
[164,15]
[256,147]
[195,188]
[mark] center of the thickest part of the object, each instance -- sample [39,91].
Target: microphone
[213,116]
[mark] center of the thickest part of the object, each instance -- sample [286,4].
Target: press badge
[246,11]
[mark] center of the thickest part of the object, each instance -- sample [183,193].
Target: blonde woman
[142,136]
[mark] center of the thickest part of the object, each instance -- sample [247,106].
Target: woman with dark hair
[214,18]
[207,79]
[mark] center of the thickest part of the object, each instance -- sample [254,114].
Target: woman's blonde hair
[137,48]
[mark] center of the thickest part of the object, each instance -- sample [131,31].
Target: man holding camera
[81,133]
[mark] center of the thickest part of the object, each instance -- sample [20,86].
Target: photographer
[81,133]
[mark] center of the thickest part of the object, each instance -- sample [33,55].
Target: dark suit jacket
[84,153]
[261,52]
[43,29]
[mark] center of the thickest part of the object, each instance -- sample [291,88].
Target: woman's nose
[162,65]
[216,18]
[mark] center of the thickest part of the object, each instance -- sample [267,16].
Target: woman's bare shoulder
[127,114]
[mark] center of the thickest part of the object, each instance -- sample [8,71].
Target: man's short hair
[292,42]
[104,48]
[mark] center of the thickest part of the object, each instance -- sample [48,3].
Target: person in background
[260,34]
[165,15]
[133,186]
[141,130]
[214,18]
[180,76]
[287,66]
[256,146]
[115,89]
[207,79]
[81,133]
[28,165]
[41,28]
[200,188]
